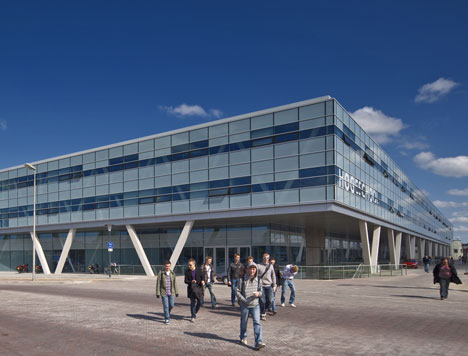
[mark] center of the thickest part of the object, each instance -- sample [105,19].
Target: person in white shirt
[289,272]
[209,278]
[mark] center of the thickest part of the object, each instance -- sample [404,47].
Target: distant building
[456,249]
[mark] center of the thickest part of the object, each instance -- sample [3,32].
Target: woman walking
[444,273]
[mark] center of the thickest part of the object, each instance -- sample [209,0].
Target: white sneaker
[292,305]
[192,320]
[282,304]
[260,346]
[244,341]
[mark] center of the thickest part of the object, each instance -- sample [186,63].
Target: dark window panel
[310,182]
[219,149]
[103,205]
[130,202]
[117,168]
[131,165]
[240,190]
[117,160]
[199,186]
[147,192]
[286,137]
[164,190]
[163,198]
[312,172]
[262,142]
[239,146]
[268,131]
[199,194]
[199,144]
[147,200]
[131,158]
[294,126]
[181,188]
[130,195]
[180,148]
[163,159]
[180,156]
[199,153]
[219,183]
[218,192]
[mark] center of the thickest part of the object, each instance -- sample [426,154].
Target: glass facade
[301,154]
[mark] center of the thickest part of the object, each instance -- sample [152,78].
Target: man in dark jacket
[209,278]
[444,273]
[235,270]
[194,281]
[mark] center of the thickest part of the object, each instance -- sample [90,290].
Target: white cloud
[184,110]
[458,192]
[447,167]
[459,219]
[450,204]
[3,125]
[380,126]
[414,145]
[460,228]
[431,92]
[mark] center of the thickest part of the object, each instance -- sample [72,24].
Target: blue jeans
[288,283]
[265,300]
[168,304]
[444,287]
[212,295]
[234,283]
[194,306]
[273,302]
[244,318]
[426,267]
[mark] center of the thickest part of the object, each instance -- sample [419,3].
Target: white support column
[397,249]
[412,246]
[40,254]
[422,248]
[375,248]
[436,249]
[391,246]
[65,250]
[366,255]
[181,242]
[139,249]
[431,251]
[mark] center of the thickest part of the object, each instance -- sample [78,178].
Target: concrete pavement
[95,315]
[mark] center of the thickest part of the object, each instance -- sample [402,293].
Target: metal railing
[304,272]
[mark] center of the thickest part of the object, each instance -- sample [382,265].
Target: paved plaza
[95,315]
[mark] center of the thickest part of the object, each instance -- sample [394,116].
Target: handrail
[357,270]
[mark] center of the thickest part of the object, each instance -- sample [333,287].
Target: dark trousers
[444,287]
[194,306]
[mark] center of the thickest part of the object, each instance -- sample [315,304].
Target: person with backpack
[268,278]
[166,288]
[248,292]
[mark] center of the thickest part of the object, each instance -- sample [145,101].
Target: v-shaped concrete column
[40,254]
[65,250]
[370,259]
[181,242]
[139,249]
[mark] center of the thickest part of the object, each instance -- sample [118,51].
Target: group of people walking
[253,286]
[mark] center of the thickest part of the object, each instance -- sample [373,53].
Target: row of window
[131,161]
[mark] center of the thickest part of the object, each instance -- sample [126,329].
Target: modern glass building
[302,181]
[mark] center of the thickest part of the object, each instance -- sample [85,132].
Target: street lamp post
[30,166]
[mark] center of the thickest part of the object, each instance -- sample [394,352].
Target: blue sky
[79,75]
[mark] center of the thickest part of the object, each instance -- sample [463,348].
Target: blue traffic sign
[110,244]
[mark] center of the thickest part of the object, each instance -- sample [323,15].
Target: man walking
[194,281]
[208,277]
[289,272]
[166,288]
[272,308]
[268,279]
[248,292]
[234,271]
[426,261]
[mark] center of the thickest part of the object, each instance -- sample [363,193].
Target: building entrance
[223,256]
